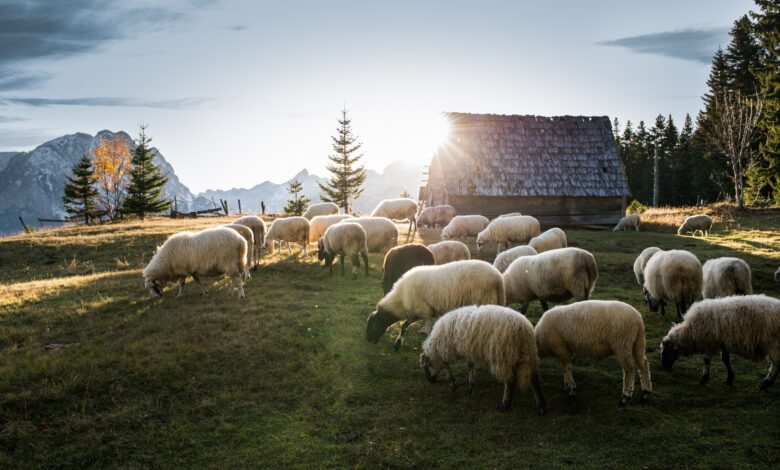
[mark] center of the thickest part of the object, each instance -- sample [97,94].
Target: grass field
[285,378]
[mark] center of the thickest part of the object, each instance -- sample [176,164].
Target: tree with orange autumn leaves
[112,163]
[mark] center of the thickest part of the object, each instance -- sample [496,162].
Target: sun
[435,130]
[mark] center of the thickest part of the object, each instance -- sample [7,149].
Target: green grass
[285,378]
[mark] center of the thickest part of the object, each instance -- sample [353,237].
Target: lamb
[398,209]
[489,336]
[549,240]
[210,252]
[505,258]
[323,208]
[505,230]
[724,277]
[596,329]
[641,262]
[382,233]
[436,216]
[448,251]
[628,222]
[401,259]
[694,223]
[425,292]
[672,276]
[346,240]
[257,225]
[462,226]
[291,230]
[748,325]
[320,223]
[246,233]
[555,275]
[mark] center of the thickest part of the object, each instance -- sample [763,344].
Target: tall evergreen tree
[344,185]
[144,193]
[298,204]
[80,192]
[743,57]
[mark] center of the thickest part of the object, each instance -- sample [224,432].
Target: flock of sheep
[467,298]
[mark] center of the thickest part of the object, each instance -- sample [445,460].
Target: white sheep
[247,234]
[641,262]
[322,208]
[511,214]
[694,223]
[210,252]
[551,239]
[462,226]
[346,240]
[320,223]
[631,221]
[425,292]
[724,277]
[436,216]
[291,230]
[490,336]
[505,258]
[449,251]
[554,276]
[672,276]
[596,329]
[382,233]
[748,325]
[257,225]
[505,230]
[398,209]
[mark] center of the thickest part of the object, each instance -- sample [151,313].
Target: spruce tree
[80,192]
[344,185]
[298,204]
[144,193]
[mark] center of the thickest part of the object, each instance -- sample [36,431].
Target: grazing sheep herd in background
[469,296]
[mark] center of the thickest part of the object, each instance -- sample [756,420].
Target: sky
[236,92]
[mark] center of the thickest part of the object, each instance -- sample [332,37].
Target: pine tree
[80,192]
[344,186]
[743,57]
[144,193]
[298,204]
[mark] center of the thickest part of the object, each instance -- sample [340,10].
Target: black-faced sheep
[552,276]
[672,276]
[436,216]
[401,259]
[257,225]
[398,209]
[596,329]
[506,230]
[322,208]
[346,240]
[748,325]
[631,221]
[551,239]
[449,251]
[724,277]
[490,336]
[641,262]
[291,230]
[210,252]
[320,223]
[425,292]
[247,234]
[382,233]
[505,258]
[694,223]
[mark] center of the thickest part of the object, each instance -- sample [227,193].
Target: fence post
[26,228]
[239,207]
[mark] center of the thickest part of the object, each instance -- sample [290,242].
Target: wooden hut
[563,170]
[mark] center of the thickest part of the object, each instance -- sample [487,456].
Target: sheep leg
[661,306]
[203,290]
[629,376]
[239,285]
[536,386]
[509,391]
[770,377]
[355,265]
[545,307]
[427,327]
[568,378]
[304,248]
[523,307]
[289,247]
[451,378]
[644,375]
[365,260]
[472,377]
[400,339]
[727,362]
[341,258]
[680,309]
[705,375]
[182,279]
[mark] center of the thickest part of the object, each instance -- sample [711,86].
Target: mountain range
[32,183]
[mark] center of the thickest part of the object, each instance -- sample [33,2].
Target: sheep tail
[593,274]
[500,294]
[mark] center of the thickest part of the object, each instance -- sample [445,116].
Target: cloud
[695,45]
[12,79]
[236,27]
[18,139]
[7,119]
[176,104]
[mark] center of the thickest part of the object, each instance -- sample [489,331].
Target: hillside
[95,374]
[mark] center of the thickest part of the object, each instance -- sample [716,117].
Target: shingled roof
[498,155]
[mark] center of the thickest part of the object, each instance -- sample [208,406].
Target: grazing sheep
[596,329]
[694,223]
[210,252]
[748,325]
[555,276]
[246,233]
[672,276]
[504,230]
[323,208]
[436,216]
[628,222]
[257,225]
[320,223]
[641,262]
[347,239]
[398,209]
[505,258]
[462,226]
[724,277]
[551,239]
[425,292]
[382,233]
[490,336]
[401,259]
[449,251]
[511,214]
[291,230]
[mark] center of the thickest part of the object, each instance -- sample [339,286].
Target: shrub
[636,207]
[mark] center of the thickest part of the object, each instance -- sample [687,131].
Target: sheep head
[154,287]
[669,352]
[378,322]
[652,302]
[322,253]
[425,363]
